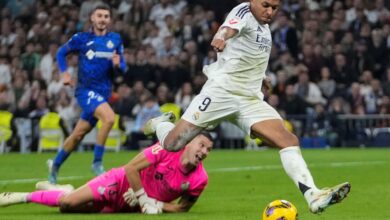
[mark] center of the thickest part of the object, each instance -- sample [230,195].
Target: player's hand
[67,79]
[115,58]
[148,205]
[218,44]
[149,209]
[267,85]
[130,198]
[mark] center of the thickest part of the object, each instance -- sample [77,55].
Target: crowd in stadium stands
[329,57]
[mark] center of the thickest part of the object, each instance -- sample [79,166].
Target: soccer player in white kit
[233,92]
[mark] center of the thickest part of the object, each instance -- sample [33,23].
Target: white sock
[162,130]
[296,168]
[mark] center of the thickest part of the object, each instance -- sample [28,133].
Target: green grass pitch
[241,183]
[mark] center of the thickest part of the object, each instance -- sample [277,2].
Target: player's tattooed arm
[220,38]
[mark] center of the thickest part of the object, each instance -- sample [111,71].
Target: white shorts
[215,104]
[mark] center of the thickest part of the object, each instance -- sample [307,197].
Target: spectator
[285,36]
[139,91]
[7,98]
[47,63]
[327,85]
[174,75]
[149,110]
[154,37]
[386,82]
[188,30]
[162,94]
[373,98]
[5,72]
[40,107]
[385,105]
[355,97]
[308,90]
[30,60]
[357,24]
[312,62]
[336,109]
[160,11]
[342,73]
[55,85]
[169,48]
[141,70]
[281,83]
[365,82]
[7,37]
[184,96]
[379,11]
[291,103]
[352,12]
[378,51]
[125,103]
[86,9]
[67,109]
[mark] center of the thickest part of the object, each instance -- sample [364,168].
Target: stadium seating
[5,129]
[51,136]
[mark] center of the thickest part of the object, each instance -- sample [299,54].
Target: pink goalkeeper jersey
[165,179]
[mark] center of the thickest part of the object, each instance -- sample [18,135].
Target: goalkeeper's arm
[148,205]
[183,205]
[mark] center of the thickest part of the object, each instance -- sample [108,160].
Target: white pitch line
[219,170]
[275,167]
[34,180]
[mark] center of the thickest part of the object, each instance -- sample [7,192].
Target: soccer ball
[280,210]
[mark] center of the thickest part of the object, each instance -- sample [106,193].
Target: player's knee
[109,120]
[78,136]
[286,139]
[291,139]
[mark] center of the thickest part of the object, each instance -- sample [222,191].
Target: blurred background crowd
[329,57]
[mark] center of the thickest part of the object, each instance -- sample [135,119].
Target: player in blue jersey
[100,57]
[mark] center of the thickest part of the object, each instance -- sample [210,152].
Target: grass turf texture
[241,183]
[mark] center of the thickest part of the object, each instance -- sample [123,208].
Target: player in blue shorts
[100,58]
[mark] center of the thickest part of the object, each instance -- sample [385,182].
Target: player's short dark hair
[207,135]
[101,7]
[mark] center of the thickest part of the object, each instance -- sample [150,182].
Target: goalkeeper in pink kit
[148,184]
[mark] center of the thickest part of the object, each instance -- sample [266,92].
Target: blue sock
[61,156]
[98,152]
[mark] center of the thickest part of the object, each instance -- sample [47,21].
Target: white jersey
[241,66]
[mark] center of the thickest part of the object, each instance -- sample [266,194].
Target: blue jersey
[95,70]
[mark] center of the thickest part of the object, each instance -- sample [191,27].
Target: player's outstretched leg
[326,197]
[150,126]
[11,198]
